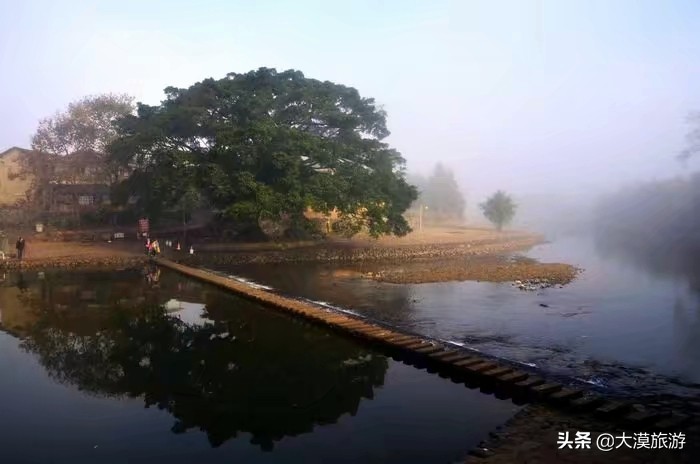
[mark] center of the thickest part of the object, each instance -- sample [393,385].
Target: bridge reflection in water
[223,365]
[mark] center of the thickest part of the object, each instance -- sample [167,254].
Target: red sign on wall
[143,226]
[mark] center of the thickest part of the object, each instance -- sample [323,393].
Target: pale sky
[531,96]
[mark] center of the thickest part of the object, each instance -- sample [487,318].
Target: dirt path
[40,254]
[48,250]
[441,236]
[427,237]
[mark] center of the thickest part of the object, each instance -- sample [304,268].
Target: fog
[554,102]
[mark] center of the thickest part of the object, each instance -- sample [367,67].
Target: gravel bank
[527,274]
[339,253]
[116,262]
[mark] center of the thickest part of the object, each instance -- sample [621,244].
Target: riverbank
[454,236]
[40,255]
[414,247]
[527,274]
[532,436]
[432,255]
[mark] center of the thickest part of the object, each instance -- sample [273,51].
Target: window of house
[86,200]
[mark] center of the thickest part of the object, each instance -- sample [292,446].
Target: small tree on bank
[499,208]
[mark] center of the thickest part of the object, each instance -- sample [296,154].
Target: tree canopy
[499,208]
[268,143]
[86,125]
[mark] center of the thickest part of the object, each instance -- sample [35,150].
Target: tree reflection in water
[243,369]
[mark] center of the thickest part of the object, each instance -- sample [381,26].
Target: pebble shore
[526,276]
[333,253]
[101,262]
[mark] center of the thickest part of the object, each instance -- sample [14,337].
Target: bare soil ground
[72,254]
[36,250]
[442,236]
[428,236]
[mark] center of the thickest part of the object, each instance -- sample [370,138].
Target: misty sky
[532,96]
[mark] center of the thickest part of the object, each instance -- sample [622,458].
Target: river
[627,324]
[126,366]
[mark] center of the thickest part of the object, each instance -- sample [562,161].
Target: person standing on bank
[20,248]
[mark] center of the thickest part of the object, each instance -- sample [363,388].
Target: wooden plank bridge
[492,376]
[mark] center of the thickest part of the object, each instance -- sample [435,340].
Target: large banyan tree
[268,144]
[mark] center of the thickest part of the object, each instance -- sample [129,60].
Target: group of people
[152,275]
[153,246]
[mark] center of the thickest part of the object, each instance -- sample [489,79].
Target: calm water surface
[629,323]
[109,367]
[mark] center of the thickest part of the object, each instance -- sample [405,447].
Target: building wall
[75,179]
[13,188]
[79,197]
[311,214]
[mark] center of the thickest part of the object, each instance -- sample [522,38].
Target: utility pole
[420,217]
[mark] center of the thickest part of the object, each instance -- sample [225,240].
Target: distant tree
[267,144]
[693,137]
[442,195]
[74,141]
[439,194]
[499,209]
[87,125]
